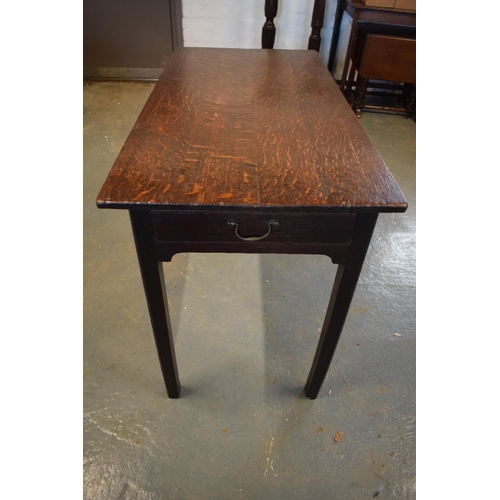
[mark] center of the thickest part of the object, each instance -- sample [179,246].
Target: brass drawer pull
[270,223]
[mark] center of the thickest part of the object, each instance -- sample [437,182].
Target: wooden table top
[240,128]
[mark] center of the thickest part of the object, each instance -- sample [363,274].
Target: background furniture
[269,28]
[361,12]
[385,52]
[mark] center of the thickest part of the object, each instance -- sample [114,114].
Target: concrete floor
[245,329]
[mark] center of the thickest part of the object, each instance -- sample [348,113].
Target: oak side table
[249,151]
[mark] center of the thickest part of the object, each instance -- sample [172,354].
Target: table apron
[237,226]
[166,250]
[252,232]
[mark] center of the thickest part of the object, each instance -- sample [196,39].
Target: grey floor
[245,330]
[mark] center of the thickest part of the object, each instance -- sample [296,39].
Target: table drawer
[254,226]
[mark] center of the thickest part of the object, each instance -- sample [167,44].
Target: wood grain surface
[239,128]
[387,57]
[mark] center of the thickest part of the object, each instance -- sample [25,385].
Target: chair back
[269,28]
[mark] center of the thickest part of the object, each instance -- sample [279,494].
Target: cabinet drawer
[253,226]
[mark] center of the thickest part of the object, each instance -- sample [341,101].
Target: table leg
[156,296]
[342,293]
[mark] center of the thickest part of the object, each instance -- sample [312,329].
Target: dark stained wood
[338,307]
[338,253]
[312,150]
[362,13]
[385,52]
[295,233]
[386,57]
[360,95]
[316,25]
[245,129]
[259,141]
[292,227]
[269,29]
[156,296]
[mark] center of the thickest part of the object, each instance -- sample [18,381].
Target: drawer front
[254,226]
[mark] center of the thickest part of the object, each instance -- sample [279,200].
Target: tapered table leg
[342,293]
[154,287]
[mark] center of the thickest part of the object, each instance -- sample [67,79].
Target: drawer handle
[270,224]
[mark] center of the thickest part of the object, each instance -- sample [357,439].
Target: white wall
[238,24]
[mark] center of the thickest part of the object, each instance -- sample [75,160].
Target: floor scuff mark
[269,462]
